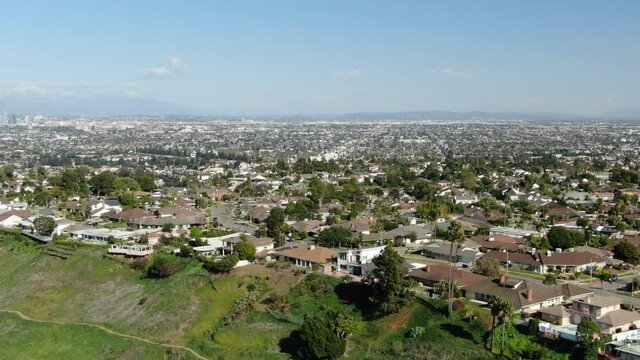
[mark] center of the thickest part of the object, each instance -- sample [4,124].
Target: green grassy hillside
[192,308]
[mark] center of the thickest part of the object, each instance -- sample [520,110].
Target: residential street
[224,213]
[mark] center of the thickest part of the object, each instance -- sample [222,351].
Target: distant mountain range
[124,105]
[627,114]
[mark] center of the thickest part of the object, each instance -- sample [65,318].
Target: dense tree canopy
[391,290]
[561,237]
[44,225]
[245,250]
[627,252]
[335,236]
[320,338]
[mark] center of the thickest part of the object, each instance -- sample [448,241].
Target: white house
[358,261]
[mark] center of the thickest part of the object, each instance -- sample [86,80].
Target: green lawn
[527,273]
[23,339]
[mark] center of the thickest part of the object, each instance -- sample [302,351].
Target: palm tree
[506,312]
[455,235]
[604,276]
[495,304]
[550,279]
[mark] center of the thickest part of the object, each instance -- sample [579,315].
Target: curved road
[224,213]
[25,317]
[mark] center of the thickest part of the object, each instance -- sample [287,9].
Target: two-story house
[358,261]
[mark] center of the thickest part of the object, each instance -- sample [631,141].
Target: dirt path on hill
[24,317]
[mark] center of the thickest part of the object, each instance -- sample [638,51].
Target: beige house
[604,311]
[308,256]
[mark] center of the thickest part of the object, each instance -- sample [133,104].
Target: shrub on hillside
[162,266]
[222,266]
[139,264]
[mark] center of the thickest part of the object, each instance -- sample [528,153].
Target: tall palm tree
[495,304]
[455,235]
[506,312]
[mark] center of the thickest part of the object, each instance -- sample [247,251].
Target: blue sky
[284,57]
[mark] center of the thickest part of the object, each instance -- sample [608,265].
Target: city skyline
[254,58]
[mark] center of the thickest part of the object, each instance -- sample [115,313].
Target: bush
[139,264]
[458,305]
[245,250]
[223,266]
[162,266]
[415,332]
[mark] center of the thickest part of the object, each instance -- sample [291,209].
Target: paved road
[224,213]
[25,317]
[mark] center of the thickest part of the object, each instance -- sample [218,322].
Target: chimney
[427,268]
[533,251]
[548,252]
[503,278]
[312,247]
[529,294]
[558,250]
[492,239]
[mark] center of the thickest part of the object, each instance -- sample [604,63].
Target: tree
[145,180]
[506,311]
[168,227]
[604,275]
[488,267]
[128,200]
[501,310]
[201,203]
[561,237]
[44,225]
[196,232]
[274,221]
[455,235]
[103,183]
[319,339]
[586,334]
[245,250]
[628,252]
[335,236]
[550,279]
[222,266]
[582,222]
[391,290]
[163,265]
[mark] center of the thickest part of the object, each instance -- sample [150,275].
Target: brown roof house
[308,256]
[572,261]
[523,295]
[516,260]
[435,275]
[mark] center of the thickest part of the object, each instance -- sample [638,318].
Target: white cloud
[450,72]
[26,89]
[133,94]
[347,74]
[175,66]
